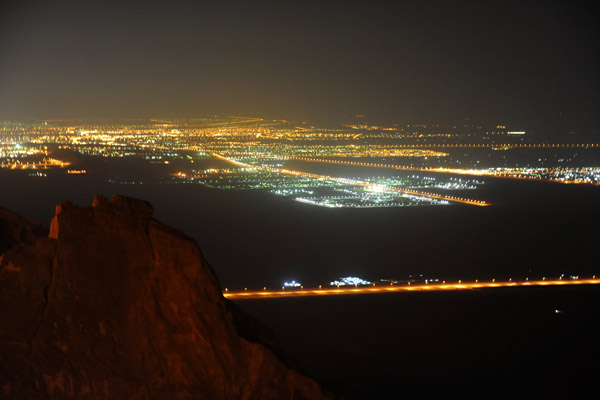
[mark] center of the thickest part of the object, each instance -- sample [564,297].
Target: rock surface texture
[15,229]
[112,304]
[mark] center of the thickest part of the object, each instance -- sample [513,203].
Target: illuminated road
[374,186]
[238,120]
[270,294]
[508,173]
[502,146]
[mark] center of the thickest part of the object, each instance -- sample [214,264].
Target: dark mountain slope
[113,305]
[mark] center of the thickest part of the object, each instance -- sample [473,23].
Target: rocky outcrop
[15,229]
[113,304]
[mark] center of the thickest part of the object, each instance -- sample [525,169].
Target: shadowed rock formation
[15,229]
[113,305]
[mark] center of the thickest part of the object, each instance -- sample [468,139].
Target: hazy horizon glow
[528,66]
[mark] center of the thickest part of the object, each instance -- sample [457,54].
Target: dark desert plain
[486,342]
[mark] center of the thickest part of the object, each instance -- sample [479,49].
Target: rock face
[115,305]
[15,229]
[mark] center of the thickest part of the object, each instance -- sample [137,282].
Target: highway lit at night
[503,146]
[374,289]
[510,173]
[455,199]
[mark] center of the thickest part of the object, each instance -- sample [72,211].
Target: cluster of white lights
[349,281]
[292,284]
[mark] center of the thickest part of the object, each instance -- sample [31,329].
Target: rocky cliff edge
[112,304]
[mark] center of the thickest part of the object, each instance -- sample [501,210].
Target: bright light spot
[350,281]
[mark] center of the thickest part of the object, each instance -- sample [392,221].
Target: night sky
[524,64]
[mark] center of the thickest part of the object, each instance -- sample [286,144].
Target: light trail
[284,171]
[270,294]
[239,120]
[508,173]
[502,146]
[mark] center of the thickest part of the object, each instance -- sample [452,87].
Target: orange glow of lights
[454,199]
[246,294]
[505,174]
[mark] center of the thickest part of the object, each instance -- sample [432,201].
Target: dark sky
[520,63]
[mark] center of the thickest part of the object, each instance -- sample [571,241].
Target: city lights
[295,160]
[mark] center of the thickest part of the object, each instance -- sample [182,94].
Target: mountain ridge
[114,304]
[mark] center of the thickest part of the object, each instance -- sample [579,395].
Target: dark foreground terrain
[490,343]
[111,304]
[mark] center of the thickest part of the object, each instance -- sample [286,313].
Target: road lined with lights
[509,173]
[374,186]
[399,287]
[502,145]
